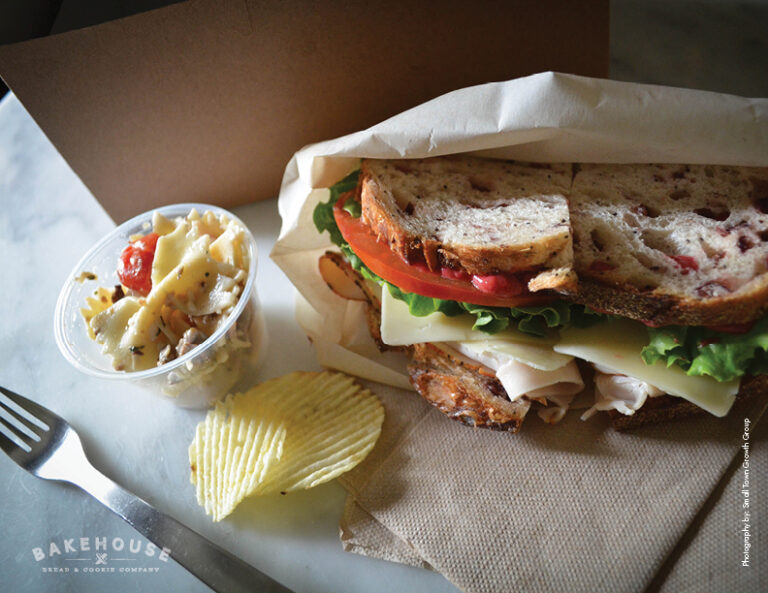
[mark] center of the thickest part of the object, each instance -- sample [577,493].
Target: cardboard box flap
[207,100]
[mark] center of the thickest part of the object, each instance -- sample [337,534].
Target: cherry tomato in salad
[134,268]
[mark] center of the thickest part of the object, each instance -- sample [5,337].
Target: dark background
[717,45]
[26,19]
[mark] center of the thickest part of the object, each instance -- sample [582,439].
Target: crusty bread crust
[423,224]
[462,392]
[562,280]
[654,411]
[666,407]
[659,309]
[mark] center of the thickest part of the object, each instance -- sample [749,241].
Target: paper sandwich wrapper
[571,507]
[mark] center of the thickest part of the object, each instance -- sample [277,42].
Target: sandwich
[639,291]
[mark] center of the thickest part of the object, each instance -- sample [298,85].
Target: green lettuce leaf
[535,321]
[704,351]
[322,215]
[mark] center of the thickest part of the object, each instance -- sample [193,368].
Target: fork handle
[214,566]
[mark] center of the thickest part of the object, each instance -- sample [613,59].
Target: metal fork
[48,447]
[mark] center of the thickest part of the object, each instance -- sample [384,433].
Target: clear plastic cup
[195,379]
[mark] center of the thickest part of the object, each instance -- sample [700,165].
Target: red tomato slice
[417,278]
[134,268]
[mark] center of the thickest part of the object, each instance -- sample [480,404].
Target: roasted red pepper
[498,284]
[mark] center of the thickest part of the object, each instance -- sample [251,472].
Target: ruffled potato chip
[289,433]
[230,455]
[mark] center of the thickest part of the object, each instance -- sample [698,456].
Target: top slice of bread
[481,215]
[672,244]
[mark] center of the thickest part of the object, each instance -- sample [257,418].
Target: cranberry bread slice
[672,244]
[482,216]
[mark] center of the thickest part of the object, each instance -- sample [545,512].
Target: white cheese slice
[400,328]
[616,345]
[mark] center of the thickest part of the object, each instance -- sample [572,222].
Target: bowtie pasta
[179,284]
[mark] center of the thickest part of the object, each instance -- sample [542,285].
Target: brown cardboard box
[207,100]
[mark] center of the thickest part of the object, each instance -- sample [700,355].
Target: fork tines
[17,415]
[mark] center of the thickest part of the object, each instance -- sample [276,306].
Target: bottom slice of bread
[667,407]
[462,392]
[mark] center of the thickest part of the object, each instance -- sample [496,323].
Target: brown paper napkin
[572,507]
[362,534]
[711,558]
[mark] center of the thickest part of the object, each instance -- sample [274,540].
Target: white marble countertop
[51,531]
